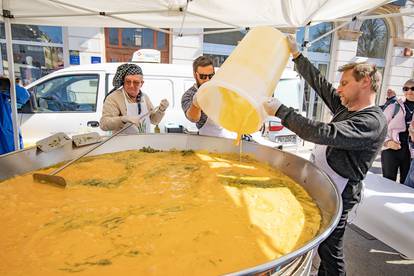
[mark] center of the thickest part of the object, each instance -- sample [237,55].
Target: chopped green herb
[149,150]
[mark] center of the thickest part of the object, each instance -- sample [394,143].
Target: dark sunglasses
[405,88]
[204,76]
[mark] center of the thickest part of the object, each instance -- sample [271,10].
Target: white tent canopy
[183,13]
[172,14]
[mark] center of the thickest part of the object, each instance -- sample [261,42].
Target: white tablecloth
[386,212]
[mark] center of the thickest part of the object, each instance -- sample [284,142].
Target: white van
[70,100]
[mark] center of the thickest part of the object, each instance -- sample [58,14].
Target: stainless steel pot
[317,183]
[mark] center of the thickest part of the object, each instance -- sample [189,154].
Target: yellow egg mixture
[153,213]
[232,119]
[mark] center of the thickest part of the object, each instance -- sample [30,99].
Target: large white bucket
[233,97]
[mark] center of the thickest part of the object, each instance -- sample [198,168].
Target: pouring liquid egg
[237,114]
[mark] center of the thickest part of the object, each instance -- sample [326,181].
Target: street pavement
[367,256]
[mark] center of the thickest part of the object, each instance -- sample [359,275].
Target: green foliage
[373,41]
[102,183]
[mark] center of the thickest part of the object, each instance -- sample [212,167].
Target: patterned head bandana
[123,71]
[118,81]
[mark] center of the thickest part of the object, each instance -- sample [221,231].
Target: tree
[373,41]
[323,45]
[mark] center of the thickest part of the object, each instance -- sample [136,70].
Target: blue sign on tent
[95,60]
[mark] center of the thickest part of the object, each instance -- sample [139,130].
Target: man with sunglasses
[203,71]
[396,155]
[345,147]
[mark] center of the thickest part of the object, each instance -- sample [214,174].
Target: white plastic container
[233,98]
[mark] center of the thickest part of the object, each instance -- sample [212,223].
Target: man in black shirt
[345,147]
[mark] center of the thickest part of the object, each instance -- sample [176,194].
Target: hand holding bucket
[233,98]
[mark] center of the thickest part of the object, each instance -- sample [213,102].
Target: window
[318,54]
[372,44]
[229,38]
[113,37]
[50,34]
[321,46]
[37,51]
[312,103]
[32,62]
[373,41]
[121,43]
[219,46]
[130,37]
[148,39]
[161,40]
[137,37]
[67,94]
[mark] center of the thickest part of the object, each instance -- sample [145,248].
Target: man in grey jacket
[345,147]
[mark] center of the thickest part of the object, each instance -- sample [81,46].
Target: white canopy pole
[10,60]
[180,32]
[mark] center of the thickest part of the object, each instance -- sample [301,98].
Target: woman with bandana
[126,103]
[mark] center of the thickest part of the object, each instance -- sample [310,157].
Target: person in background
[126,103]
[391,98]
[6,125]
[203,71]
[18,81]
[347,146]
[396,155]
[409,179]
